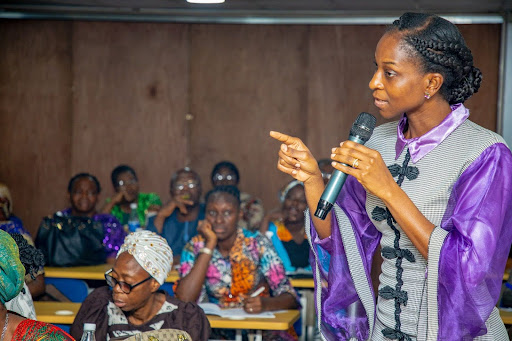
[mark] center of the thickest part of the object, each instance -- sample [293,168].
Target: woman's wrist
[210,244]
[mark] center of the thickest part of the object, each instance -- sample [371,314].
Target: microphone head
[363,126]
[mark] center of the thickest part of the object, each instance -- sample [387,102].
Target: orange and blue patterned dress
[252,262]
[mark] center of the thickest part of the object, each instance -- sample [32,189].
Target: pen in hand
[258,291]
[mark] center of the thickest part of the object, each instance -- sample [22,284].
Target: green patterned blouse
[144,201]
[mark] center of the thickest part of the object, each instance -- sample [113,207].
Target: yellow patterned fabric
[12,272]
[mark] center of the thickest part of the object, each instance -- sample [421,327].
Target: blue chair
[74,289]
[167,287]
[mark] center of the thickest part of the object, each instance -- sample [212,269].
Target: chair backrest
[76,290]
[167,287]
[161,335]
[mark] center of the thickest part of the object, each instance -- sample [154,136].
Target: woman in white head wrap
[132,301]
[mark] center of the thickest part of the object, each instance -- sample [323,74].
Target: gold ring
[355,163]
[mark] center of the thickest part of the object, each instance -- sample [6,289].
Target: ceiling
[278,10]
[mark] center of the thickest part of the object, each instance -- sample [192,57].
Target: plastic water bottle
[133,221]
[89,329]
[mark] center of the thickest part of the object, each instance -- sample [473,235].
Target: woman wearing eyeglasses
[225,173]
[132,302]
[126,184]
[177,221]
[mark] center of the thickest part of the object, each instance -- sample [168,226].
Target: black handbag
[71,241]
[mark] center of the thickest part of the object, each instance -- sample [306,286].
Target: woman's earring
[427,95]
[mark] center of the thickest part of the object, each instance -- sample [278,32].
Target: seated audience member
[226,173]
[12,275]
[126,185]
[326,168]
[287,233]
[224,264]
[132,302]
[33,262]
[8,221]
[12,224]
[177,221]
[83,191]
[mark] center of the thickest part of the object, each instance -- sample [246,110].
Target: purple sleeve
[475,251]
[338,291]
[114,234]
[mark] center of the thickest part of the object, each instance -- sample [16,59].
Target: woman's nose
[375,82]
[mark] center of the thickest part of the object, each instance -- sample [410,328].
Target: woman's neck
[76,213]
[225,246]
[295,226]
[148,311]
[421,122]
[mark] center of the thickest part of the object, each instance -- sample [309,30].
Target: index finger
[287,139]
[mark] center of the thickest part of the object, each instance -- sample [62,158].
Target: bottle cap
[133,205]
[89,327]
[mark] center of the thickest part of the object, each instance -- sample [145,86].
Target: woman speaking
[432,188]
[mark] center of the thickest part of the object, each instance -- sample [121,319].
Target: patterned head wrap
[284,192]
[12,272]
[151,252]
[4,193]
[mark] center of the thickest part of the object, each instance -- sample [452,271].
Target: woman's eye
[212,213]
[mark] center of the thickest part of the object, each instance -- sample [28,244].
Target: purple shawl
[473,256]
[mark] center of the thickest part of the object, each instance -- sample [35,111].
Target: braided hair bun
[441,49]
[224,189]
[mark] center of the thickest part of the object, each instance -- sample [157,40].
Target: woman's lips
[218,229]
[119,304]
[379,103]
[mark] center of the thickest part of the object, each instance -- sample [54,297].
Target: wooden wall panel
[484,42]
[246,81]
[130,99]
[35,115]
[86,96]
[341,64]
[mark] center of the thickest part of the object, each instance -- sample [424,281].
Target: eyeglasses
[220,177]
[125,287]
[189,185]
[122,183]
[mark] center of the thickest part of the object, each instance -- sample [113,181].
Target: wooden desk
[506,316]
[97,272]
[283,321]
[49,312]
[93,272]
[303,283]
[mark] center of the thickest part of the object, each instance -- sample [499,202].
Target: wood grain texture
[35,116]
[484,42]
[130,99]
[341,64]
[246,81]
[87,96]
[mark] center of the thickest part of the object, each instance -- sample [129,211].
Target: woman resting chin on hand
[224,264]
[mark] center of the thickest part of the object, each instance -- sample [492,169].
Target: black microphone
[360,132]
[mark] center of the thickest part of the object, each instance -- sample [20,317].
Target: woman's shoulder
[478,134]
[99,297]
[37,330]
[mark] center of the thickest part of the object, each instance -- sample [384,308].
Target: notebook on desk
[232,313]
